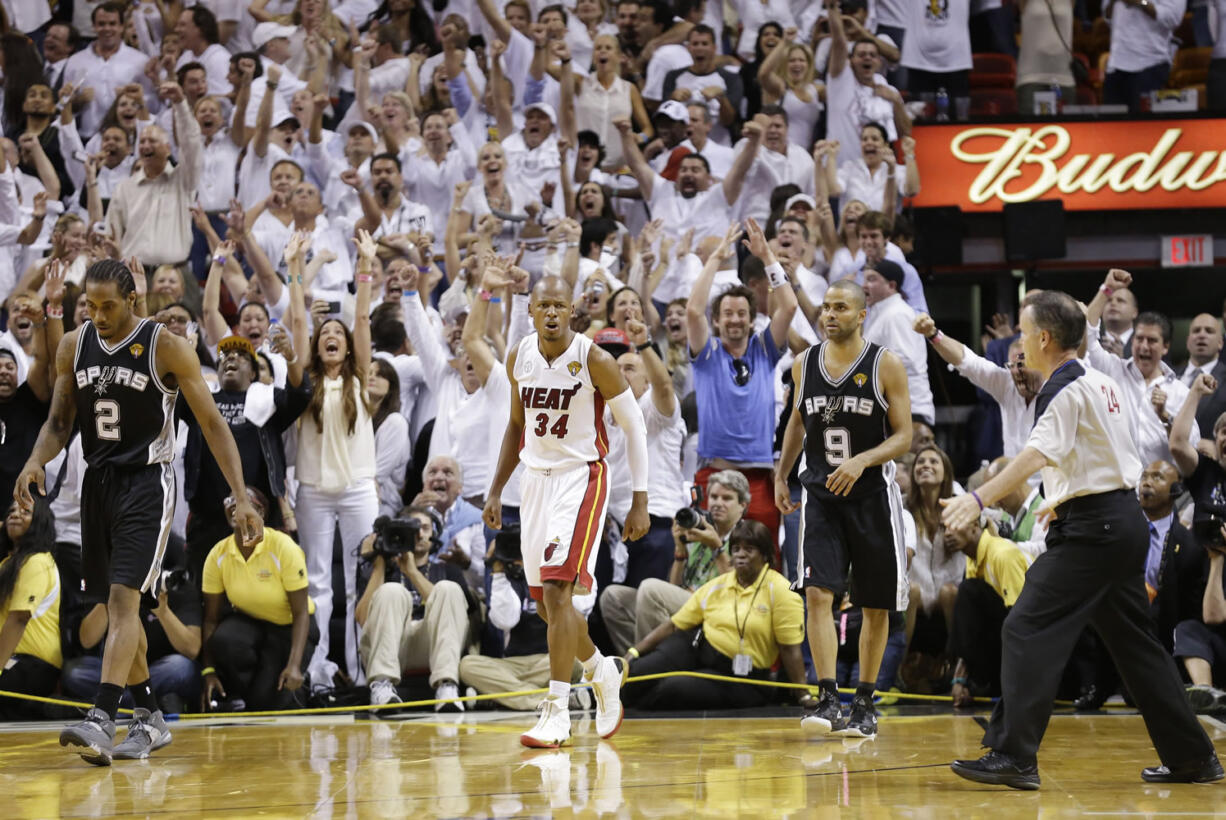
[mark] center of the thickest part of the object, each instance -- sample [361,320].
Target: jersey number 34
[558,429]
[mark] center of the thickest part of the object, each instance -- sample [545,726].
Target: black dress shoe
[1090,700]
[1207,771]
[999,769]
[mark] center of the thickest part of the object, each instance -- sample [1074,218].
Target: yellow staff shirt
[774,617]
[37,591]
[259,585]
[1002,564]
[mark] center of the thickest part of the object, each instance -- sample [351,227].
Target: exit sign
[1195,251]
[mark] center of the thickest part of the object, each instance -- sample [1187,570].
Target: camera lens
[686,518]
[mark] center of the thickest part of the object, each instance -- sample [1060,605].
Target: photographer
[522,660]
[700,552]
[257,653]
[1201,643]
[414,612]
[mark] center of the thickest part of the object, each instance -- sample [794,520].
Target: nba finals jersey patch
[136,350]
[574,368]
[859,379]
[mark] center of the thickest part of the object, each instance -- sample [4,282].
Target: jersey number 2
[558,429]
[106,416]
[838,445]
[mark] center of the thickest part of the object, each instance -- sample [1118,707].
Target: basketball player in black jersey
[852,413]
[119,376]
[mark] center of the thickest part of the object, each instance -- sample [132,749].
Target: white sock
[559,690]
[589,665]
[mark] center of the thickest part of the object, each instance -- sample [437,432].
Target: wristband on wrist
[572,244]
[55,312]
[1106,290]
[423,268]
[363,278]
[219,259]
[642,347]
[959,681]
[495,300]
[633,652]
[775,275]
[409,293]
[206,671]
[935,337]
[978,500]
[486,295]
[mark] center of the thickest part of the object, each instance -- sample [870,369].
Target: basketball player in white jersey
[560,383]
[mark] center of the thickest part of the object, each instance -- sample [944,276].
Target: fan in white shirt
[388,214]
[693,201]
[200,38]
[719,157]
[1014,387]
[890,323]
[1148,383]
[98,71]
[779,162]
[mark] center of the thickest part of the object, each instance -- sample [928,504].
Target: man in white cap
[271,41]
[532,152]
[340,198]
[672,122]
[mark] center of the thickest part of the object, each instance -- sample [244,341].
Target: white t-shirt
[665,59]
[938,37]
[707,212]
[665,436]
[851,105]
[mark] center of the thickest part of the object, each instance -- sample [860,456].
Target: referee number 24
[1113,404]
[558,429]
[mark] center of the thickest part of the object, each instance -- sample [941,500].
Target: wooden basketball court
[473,766]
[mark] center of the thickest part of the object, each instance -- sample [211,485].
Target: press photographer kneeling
[414,612]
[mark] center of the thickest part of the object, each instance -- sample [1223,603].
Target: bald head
[551,287]
[851,292]
[1154,489]
[1204,339]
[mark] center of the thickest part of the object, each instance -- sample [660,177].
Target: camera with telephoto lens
[395,536]
[687,518]
[508,551]
[173,580]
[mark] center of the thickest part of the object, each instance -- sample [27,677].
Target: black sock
[866,689]
[108,699]
[829,686]
[142,695]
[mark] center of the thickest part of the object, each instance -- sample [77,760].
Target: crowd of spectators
[237,151]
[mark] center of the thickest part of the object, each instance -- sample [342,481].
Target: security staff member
[1092,572]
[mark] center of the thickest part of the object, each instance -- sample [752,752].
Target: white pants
[319,513]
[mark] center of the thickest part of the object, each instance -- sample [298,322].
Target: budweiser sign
[1090,165]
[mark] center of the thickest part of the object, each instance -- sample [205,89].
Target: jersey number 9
[838,445]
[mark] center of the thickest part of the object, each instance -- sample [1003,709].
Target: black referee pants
[1092,573]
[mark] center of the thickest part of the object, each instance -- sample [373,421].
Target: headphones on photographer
[1177,489]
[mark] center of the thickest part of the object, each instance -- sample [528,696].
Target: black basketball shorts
[126,515]
[862,535]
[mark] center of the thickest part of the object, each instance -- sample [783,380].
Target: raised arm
[662,394]
[697,330]
[752,132]
[191,141]
[367,248]
[238,124]
[46,171]
[1183,452]
[838,40]
[772,86]
[911,185]
[263,117]
[634,158]
[478,349]
[499,24]
[781,293]
[215,327]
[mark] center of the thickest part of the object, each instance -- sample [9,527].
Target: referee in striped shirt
[1092,573]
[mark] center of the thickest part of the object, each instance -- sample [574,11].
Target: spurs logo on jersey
[842,417]
[563,411]
[125,412]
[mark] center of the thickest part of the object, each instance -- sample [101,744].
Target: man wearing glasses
[1014,386]
[734,373]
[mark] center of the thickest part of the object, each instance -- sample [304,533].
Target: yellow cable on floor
[325,710]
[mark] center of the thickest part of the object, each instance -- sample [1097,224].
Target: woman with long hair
[874,177]
[604,96]
[495,194]
[789,79]
[22,67]
[30,656]
[336,449]
[935,570]
[69,241]
[410,22]
[769,36]
[392,446]
[842,246]
[127,112]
